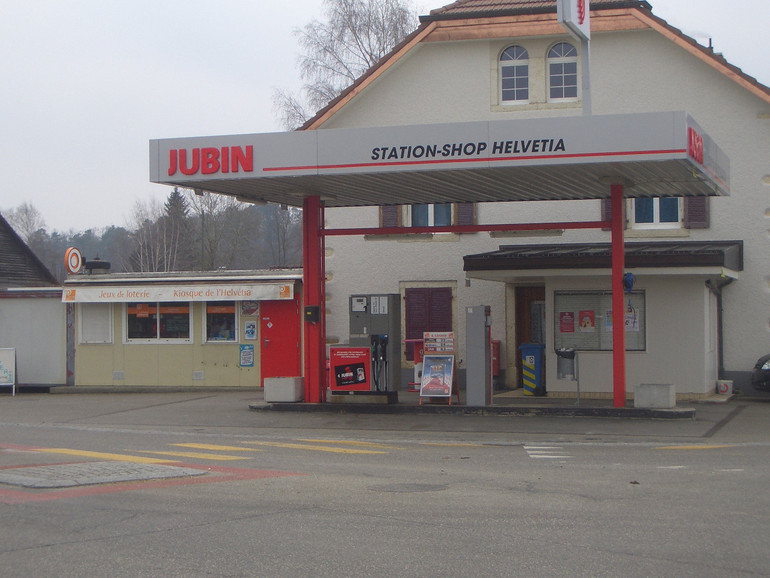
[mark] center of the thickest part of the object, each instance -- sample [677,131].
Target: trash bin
[532,368]
[565,363]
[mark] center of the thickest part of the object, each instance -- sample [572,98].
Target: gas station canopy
[651,154]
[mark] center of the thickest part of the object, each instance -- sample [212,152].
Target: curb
[562,411]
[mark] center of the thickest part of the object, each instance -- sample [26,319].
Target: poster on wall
[247,356]
[566,322]
[437,376]
[632,318]
[249,307]
[587,322]
[250,330]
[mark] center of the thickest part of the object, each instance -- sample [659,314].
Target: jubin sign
[575,16]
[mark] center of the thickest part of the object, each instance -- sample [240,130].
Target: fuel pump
[375,322]
[380,363]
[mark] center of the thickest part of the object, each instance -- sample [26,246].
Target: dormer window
[514,75]
[562,72]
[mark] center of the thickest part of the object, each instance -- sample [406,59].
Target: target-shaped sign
[73,260]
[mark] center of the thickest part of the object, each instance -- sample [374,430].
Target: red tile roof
[487,8]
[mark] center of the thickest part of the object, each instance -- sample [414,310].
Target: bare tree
[216,221]
[26,220]
[282,234]
[147,237]
[355,37]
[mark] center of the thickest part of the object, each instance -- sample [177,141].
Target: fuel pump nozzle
[379,350]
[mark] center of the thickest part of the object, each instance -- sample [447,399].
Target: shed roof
[681,254]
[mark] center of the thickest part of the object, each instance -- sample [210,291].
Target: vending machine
[375,322]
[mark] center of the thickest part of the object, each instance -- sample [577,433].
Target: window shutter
[416,316]
[426,309]
[440,309]
[696,212]
[606,214]
[390,216]
[465,213]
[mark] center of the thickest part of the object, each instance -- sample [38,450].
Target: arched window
[562,72]
[514,74]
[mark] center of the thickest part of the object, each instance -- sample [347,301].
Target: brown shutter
[465,213]
[390,216]
[440,309]
[606,214]
[426,309]
[696,212]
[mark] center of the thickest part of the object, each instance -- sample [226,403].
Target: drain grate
[90,473]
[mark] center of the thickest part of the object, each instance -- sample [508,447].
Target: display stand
[439,380]
[417,353]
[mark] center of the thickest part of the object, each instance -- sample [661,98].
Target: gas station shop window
[220,321]
[152,321]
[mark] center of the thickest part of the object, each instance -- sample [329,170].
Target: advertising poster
[587,322]
[247,356]
[632,318]
[437,376]
[567,322]
[350,368]
[250,330]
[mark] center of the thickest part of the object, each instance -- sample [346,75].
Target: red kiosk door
[280,339]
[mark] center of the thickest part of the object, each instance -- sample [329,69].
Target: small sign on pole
[8,368]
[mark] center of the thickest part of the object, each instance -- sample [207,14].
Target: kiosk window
[583,320]
[147,321]
[220,321]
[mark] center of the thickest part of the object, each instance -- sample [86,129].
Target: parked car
[760,377]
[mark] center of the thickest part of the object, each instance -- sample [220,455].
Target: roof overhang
[693,258]
[652,154]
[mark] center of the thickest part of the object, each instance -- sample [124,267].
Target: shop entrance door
[530,319]
[280,339]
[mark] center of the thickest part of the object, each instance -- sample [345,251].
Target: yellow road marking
[352,443]
[215,447]
[196,456]
[694,447]
[102,456]
[450,445]
[315,448]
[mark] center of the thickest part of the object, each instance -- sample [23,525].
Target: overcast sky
[85,84]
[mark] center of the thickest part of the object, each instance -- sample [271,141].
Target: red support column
[618,306]
[314,294]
